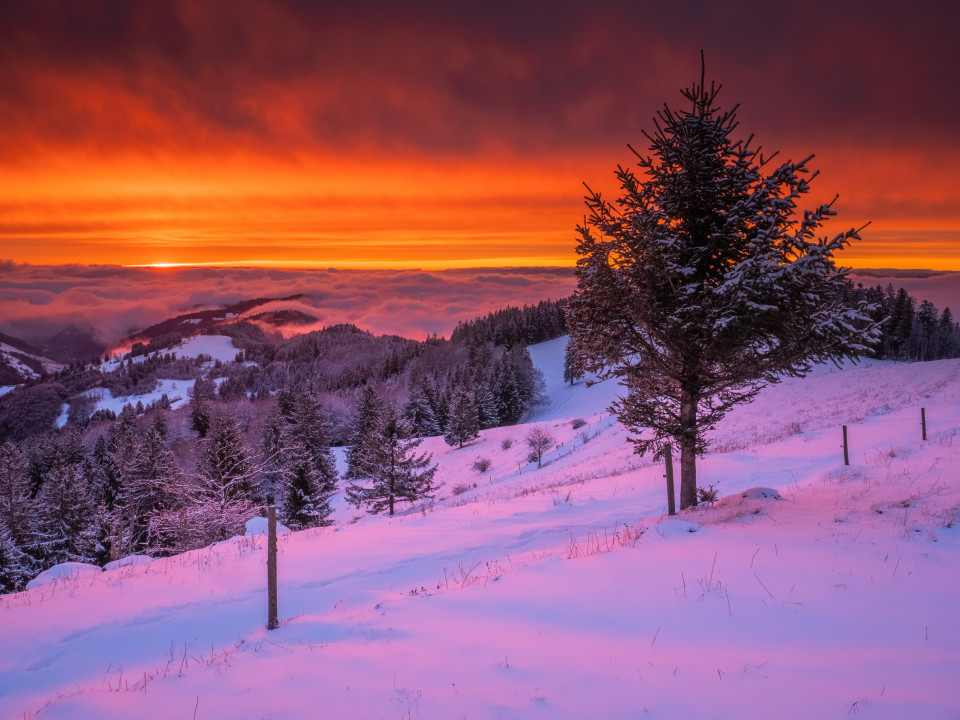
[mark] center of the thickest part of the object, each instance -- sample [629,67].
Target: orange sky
[434,135]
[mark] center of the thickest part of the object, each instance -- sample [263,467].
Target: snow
[258,526]
[128,561]
[4,389]
[563,592]
[219,347]
[62,572]
[177,392]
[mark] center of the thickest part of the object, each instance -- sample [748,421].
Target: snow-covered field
[217,347]
[562,592]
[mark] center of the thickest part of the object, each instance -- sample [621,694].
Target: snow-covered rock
[127,561]
[64,571]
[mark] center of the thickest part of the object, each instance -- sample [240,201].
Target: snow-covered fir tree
[419,411]
[299,464]
[701,283]
[463,424]
[369,411]
[485,402]
[572,364]
[391,470]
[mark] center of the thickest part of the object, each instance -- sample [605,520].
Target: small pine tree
[572,364]
[486,404]
[463,423]
[369,411]
[420,414]
[393,469]
[201,395]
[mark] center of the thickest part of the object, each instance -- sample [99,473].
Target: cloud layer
[38,301]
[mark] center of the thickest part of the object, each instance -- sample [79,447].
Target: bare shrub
[481,464]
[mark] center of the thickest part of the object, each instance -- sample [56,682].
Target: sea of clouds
[38,301]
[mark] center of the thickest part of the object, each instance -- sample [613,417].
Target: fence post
[846,453]
[923,421]
[272,614]
[668,457]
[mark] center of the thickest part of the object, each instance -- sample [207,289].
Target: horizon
[113,302]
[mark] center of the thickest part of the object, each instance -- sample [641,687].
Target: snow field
[562,592]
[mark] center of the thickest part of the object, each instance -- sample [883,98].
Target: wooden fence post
[846,453]
[668,457]
[923,421]
[272,615]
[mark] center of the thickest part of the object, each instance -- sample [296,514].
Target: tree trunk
[393,474]
[688,447]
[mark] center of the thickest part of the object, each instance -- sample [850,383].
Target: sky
[445,135]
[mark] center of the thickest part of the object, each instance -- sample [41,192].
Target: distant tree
[299,453]
[391,468]
[17,521]
[462,423]
[201,395]
[16,567]
[65,520]
[419,412]
[701,284]
[152,486]
[572,364]
[17,507]
[369,410]
[539,441]
[485,402]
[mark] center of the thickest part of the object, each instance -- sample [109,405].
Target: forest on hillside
[157,479]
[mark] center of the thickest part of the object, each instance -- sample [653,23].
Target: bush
[461,489]
[481,464]
[507,443]
[707,494]
[578,423]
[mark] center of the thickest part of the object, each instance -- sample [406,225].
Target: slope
[562,592]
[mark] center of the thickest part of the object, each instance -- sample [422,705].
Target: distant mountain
[19,361]
[205,322]
[73,344]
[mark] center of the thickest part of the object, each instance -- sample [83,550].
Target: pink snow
[562,592]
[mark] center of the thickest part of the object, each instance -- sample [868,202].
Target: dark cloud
[458,78]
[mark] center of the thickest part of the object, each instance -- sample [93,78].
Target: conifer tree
[16,568]
[65,522]
[17,521]
[463,423]
[201,395]
[420,413]
[370,409]
[700,283]
[153,487]
[485,402]
[392,469]
[572,364]
[17,506]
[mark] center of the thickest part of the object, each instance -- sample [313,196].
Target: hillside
[21,361]
[562,592]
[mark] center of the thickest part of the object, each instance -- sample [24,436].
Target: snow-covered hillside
[562,592]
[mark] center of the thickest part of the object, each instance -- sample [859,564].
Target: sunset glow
[279,135]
